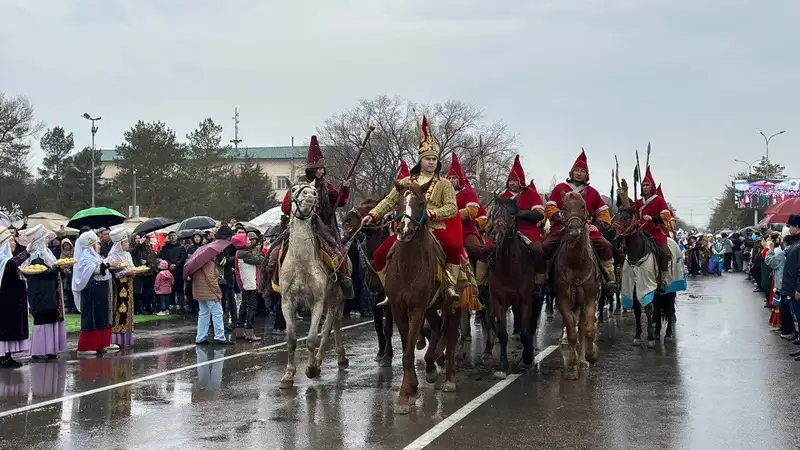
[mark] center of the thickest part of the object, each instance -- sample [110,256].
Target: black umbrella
[197,223]
[155,224]
[186,234]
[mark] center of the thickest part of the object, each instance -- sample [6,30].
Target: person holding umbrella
[90,285]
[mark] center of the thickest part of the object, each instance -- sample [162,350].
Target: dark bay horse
[414,292]
[368,239]
[511,285]
[577,279]
[636,247]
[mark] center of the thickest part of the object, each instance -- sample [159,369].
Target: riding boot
[346,285]
[452,272]
[481,271]
[663,280]
[382,277]
[610,285]
[541,284]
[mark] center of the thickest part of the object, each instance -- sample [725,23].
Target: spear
[617,161]
[636,175]
[353,165]
[612,185]
[647,161]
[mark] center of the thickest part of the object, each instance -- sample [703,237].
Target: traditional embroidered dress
[656,207]
[121,290]
[91,287]
[442,210]
[13,303]
[45,298]
[597,209]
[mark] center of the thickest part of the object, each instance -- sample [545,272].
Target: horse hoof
[312,372]
[667,338]
[651,344]
[449,386]
[430,376]
[402,409]
[500,375]
[344,364]
[287,383]
[421,344]
[584,365]
[637,342]
[571,375]
[385,362]
[379,356]
[441,361]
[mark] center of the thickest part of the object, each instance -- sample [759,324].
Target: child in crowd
[163,288]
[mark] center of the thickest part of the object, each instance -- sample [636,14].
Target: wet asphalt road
[724,381]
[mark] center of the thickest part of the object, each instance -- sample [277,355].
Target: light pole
[766,141]
[749,166]
[94,149]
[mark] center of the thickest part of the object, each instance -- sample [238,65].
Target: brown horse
[413,288]
[368,239]
[511,285]
[577,280]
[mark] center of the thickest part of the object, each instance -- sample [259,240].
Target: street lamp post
[749,166]
[94,149]
[766,141]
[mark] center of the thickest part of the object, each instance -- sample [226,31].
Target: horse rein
[295,211]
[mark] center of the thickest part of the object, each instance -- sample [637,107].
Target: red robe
[333,194]
[654,206]
[528,200]
[594,204]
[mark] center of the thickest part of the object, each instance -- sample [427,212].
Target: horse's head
[351,222]
[504,218]
[304,200]
[574,215]
[413,210]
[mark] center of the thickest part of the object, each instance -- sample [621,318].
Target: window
[283,182]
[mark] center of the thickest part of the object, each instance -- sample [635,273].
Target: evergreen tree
[57,145]
[206,170]
[77,183]
[251,192]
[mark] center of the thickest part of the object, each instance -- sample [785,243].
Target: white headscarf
[117,255]
[88,264]
[5,251]
[38,237]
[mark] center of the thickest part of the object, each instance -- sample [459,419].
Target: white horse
[304,280]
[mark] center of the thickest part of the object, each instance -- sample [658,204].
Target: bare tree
[17,126]
[456,126]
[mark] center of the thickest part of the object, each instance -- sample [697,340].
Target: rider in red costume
[653,209]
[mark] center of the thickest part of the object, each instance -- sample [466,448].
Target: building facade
[282,164]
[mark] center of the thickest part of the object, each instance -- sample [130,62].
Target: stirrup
[383,303]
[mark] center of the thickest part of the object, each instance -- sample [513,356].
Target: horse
[577,278]
[510,279]
[640,272]
[306,279]
[369,238]
[613,300]
[414,292]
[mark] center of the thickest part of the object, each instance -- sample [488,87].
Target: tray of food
[34,269]
[139,270]
[66,262]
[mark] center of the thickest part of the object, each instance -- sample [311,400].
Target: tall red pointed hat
[648,178]
[455,171]
[659,191]
[403,172]
[581,163]
[517,173]
[314,160]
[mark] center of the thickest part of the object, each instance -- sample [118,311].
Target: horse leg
[434,348]
[466,332]
[377,318]
[637,313]
[312,341]
[550,307]
[526,335]
[658,313]
[501,329]
[601,303]
[589,333]
[341,355]
[571,362]
[487,321]
[670,312]
[651,340]
[403,405]
[517,322]
[451,335]
[289,309]
[425,333]
[388,329]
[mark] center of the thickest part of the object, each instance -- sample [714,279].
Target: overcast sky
[697,78]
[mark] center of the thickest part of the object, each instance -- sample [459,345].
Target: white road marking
[54,401]
[440,428]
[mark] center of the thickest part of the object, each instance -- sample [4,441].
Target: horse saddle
[330,258]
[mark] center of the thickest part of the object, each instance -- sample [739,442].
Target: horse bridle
[296,211]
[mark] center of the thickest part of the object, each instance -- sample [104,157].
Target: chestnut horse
[511,285]
[413,289]
[369,238]
[577,279]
